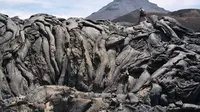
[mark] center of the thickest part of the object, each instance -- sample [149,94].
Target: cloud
[61,8]
[18,1]
[12,13]
[177,4]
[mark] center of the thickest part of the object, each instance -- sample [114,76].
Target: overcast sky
[76,8]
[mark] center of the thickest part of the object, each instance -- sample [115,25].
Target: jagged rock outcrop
[78,65]
[119,8]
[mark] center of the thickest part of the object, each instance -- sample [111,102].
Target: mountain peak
[128,0]
[118,8]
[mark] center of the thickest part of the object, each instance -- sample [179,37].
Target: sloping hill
[133,16]
[118,8]
[187,17]
[186,13]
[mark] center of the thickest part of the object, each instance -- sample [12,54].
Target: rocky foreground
[56,65]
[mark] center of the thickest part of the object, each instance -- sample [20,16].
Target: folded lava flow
[78,65]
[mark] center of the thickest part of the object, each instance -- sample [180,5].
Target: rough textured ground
[76,65]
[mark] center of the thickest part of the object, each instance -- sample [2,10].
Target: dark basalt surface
[56,65]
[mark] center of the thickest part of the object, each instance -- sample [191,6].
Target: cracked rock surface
[78,65]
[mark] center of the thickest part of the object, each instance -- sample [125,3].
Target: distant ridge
[133,16]
[186,13]
[187,17]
